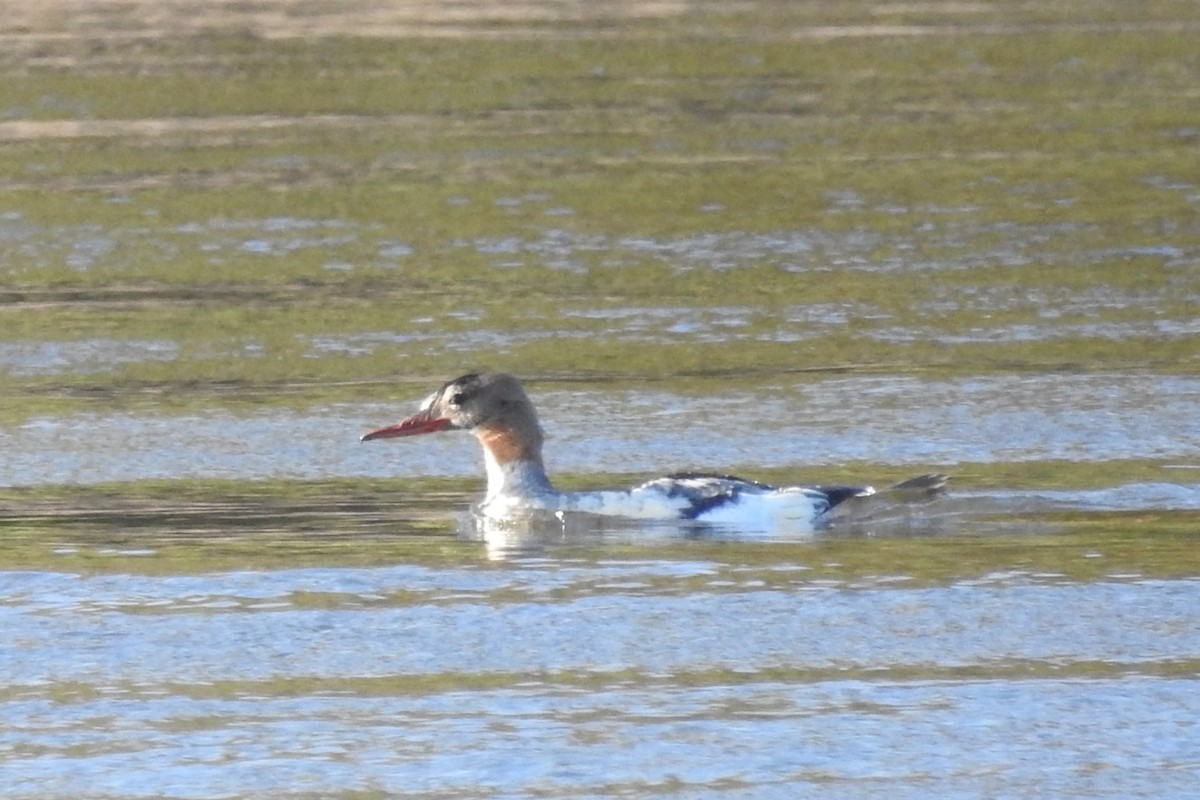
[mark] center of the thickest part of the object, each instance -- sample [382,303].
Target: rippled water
[888,419]
[800,242]
[597,677]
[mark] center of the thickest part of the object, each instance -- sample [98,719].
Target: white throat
[520,478]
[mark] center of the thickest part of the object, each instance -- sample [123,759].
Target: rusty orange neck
[507,444]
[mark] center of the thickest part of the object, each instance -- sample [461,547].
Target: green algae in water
[1014,193]
[188,527]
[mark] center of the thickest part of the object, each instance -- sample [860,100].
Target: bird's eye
[457,398]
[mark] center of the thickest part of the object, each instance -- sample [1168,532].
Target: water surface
[802,243]
[439,681]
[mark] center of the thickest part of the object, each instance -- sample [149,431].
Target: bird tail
[918,488]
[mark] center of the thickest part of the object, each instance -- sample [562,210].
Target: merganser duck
[494,407]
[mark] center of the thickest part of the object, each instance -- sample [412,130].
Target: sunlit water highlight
[433,682]
[888,419]
[787,238]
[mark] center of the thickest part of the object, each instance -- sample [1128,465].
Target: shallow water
[895,420]
[801,242]
[598,677]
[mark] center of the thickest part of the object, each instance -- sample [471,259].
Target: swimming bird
[494,407]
